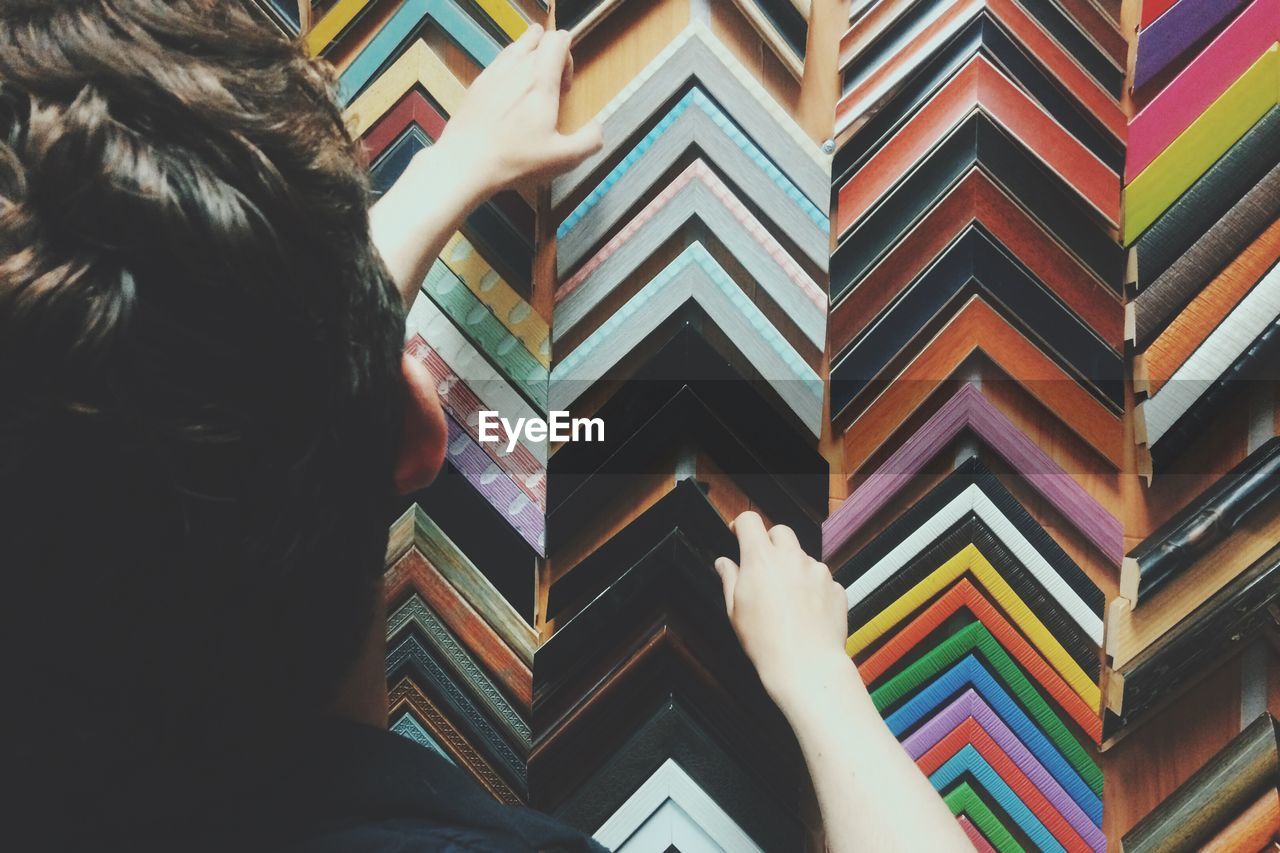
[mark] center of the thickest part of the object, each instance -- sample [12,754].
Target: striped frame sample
[971,488]
[1231,348]
[1226,120]
[693,275]
[695,121]
[696,194]
[959,580]
[1028,724]
[874,72]
[969,410]
[1166,39]
[1079,698]
[695,56]
[974,263]
[1203,80]
[969,711]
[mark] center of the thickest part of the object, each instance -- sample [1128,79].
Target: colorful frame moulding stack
[1030,232]
[977,285]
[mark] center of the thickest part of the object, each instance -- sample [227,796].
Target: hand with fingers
[789,614]
[791,618]
[505,131]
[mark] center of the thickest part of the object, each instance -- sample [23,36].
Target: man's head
[201,391]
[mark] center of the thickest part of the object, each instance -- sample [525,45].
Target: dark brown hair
[199,375]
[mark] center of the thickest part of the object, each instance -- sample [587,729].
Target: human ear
[425,435]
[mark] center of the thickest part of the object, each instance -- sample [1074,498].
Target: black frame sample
[975,262]
[1222,625]
[1048,14]
[488,541]
[1205,202]
[1208,519]
[674,732]
[977,142]
[983,36]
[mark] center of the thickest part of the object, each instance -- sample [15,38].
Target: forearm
[416,217]
[871,794]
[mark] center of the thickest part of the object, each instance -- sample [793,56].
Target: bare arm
[791,618]
[503,135]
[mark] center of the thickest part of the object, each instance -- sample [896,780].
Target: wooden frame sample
[968,410]
[481,535]
[507,305]
[672,732]
[983,36]
[1079,697]
[1202,81]
[687,419]
[693,276]
[695,817]
[695,195]
[976,200]
[414,616]
[968,569]
[1207,520]
[978,142]
[975,265]
[415,531]
[413,575]
[971,488]
[975,641]
[410,659]
[1212,362]
[976,327]
[1223,787]
[1220,626]
[1035,724]
[696,57]
[1208,200]
[449,15]
[1079,27]
[1175,169]
[979,85]
[1253,829]
[1131,630]
[1231,246]
[405,697]
[693,123]
[1169,37]
[969,711]
[688,359]
[503,13]
[782,24]
[872,83]
[1156,364]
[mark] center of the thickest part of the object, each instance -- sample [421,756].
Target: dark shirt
[328,786]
